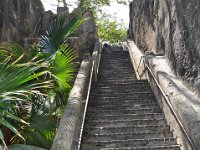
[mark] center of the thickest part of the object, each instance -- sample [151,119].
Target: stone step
[118,99]
[124,95]
[113,105]
[125,111]
[127,135]
[127,83]
[123,106]
[118,90]
[124,86]
[119,123]
[125,129]
[116,78]
[125,116]
[130,142]
[159,147]
[121,81]
[101,101]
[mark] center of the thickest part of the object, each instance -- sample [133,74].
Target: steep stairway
[122,111]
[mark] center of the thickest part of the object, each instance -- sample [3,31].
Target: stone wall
[18,19]
[170,27]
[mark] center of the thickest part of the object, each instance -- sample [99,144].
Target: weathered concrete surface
[137,58]
[184,101]
[67,135]
[171,27]
[18,19]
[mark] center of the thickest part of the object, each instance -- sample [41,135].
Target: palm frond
[16,53]
[63,68]
[6,124]
[14,79]
[57,31]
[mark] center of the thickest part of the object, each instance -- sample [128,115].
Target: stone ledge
[184,101]
[68,131]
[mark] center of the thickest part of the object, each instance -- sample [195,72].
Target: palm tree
[34,84]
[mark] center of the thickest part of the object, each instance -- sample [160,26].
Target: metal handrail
[94,71]
[166,98]
[86,104]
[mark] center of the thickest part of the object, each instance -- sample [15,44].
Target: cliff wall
[172,28]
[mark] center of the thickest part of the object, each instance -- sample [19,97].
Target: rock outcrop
[19,18]
[170,27]
[86,35]
[23,20]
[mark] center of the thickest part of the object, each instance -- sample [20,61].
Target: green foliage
[57,32]
[94,5]
[111,31]
[34,85]
[124,2]
[13,52]
[63,68]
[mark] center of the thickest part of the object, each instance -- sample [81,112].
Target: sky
[119,11]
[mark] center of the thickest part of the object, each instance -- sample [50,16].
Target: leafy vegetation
[111,31]
[34,86]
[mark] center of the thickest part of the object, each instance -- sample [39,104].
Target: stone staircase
[122,111]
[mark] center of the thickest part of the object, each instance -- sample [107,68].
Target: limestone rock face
[18,19]
[171,27]
[87,33]
[21,20]
[84,39]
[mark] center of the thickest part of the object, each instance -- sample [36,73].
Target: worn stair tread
[119,123]
[132,133]
[124,120]
[127,128]
[159,147]
[126,110]
[117,101]
[128,135]
[125,116]
[126,105]
[133,142]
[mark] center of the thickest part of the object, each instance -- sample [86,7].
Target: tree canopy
[111,31]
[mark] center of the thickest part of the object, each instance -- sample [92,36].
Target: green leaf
[1,135]
[24,147]
[42,122]
[9,126]
[57,32]
[11,116]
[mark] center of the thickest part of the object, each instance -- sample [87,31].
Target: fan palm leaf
[63,68]
[57,31]
[16,53]
[17,84]
[14,79]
